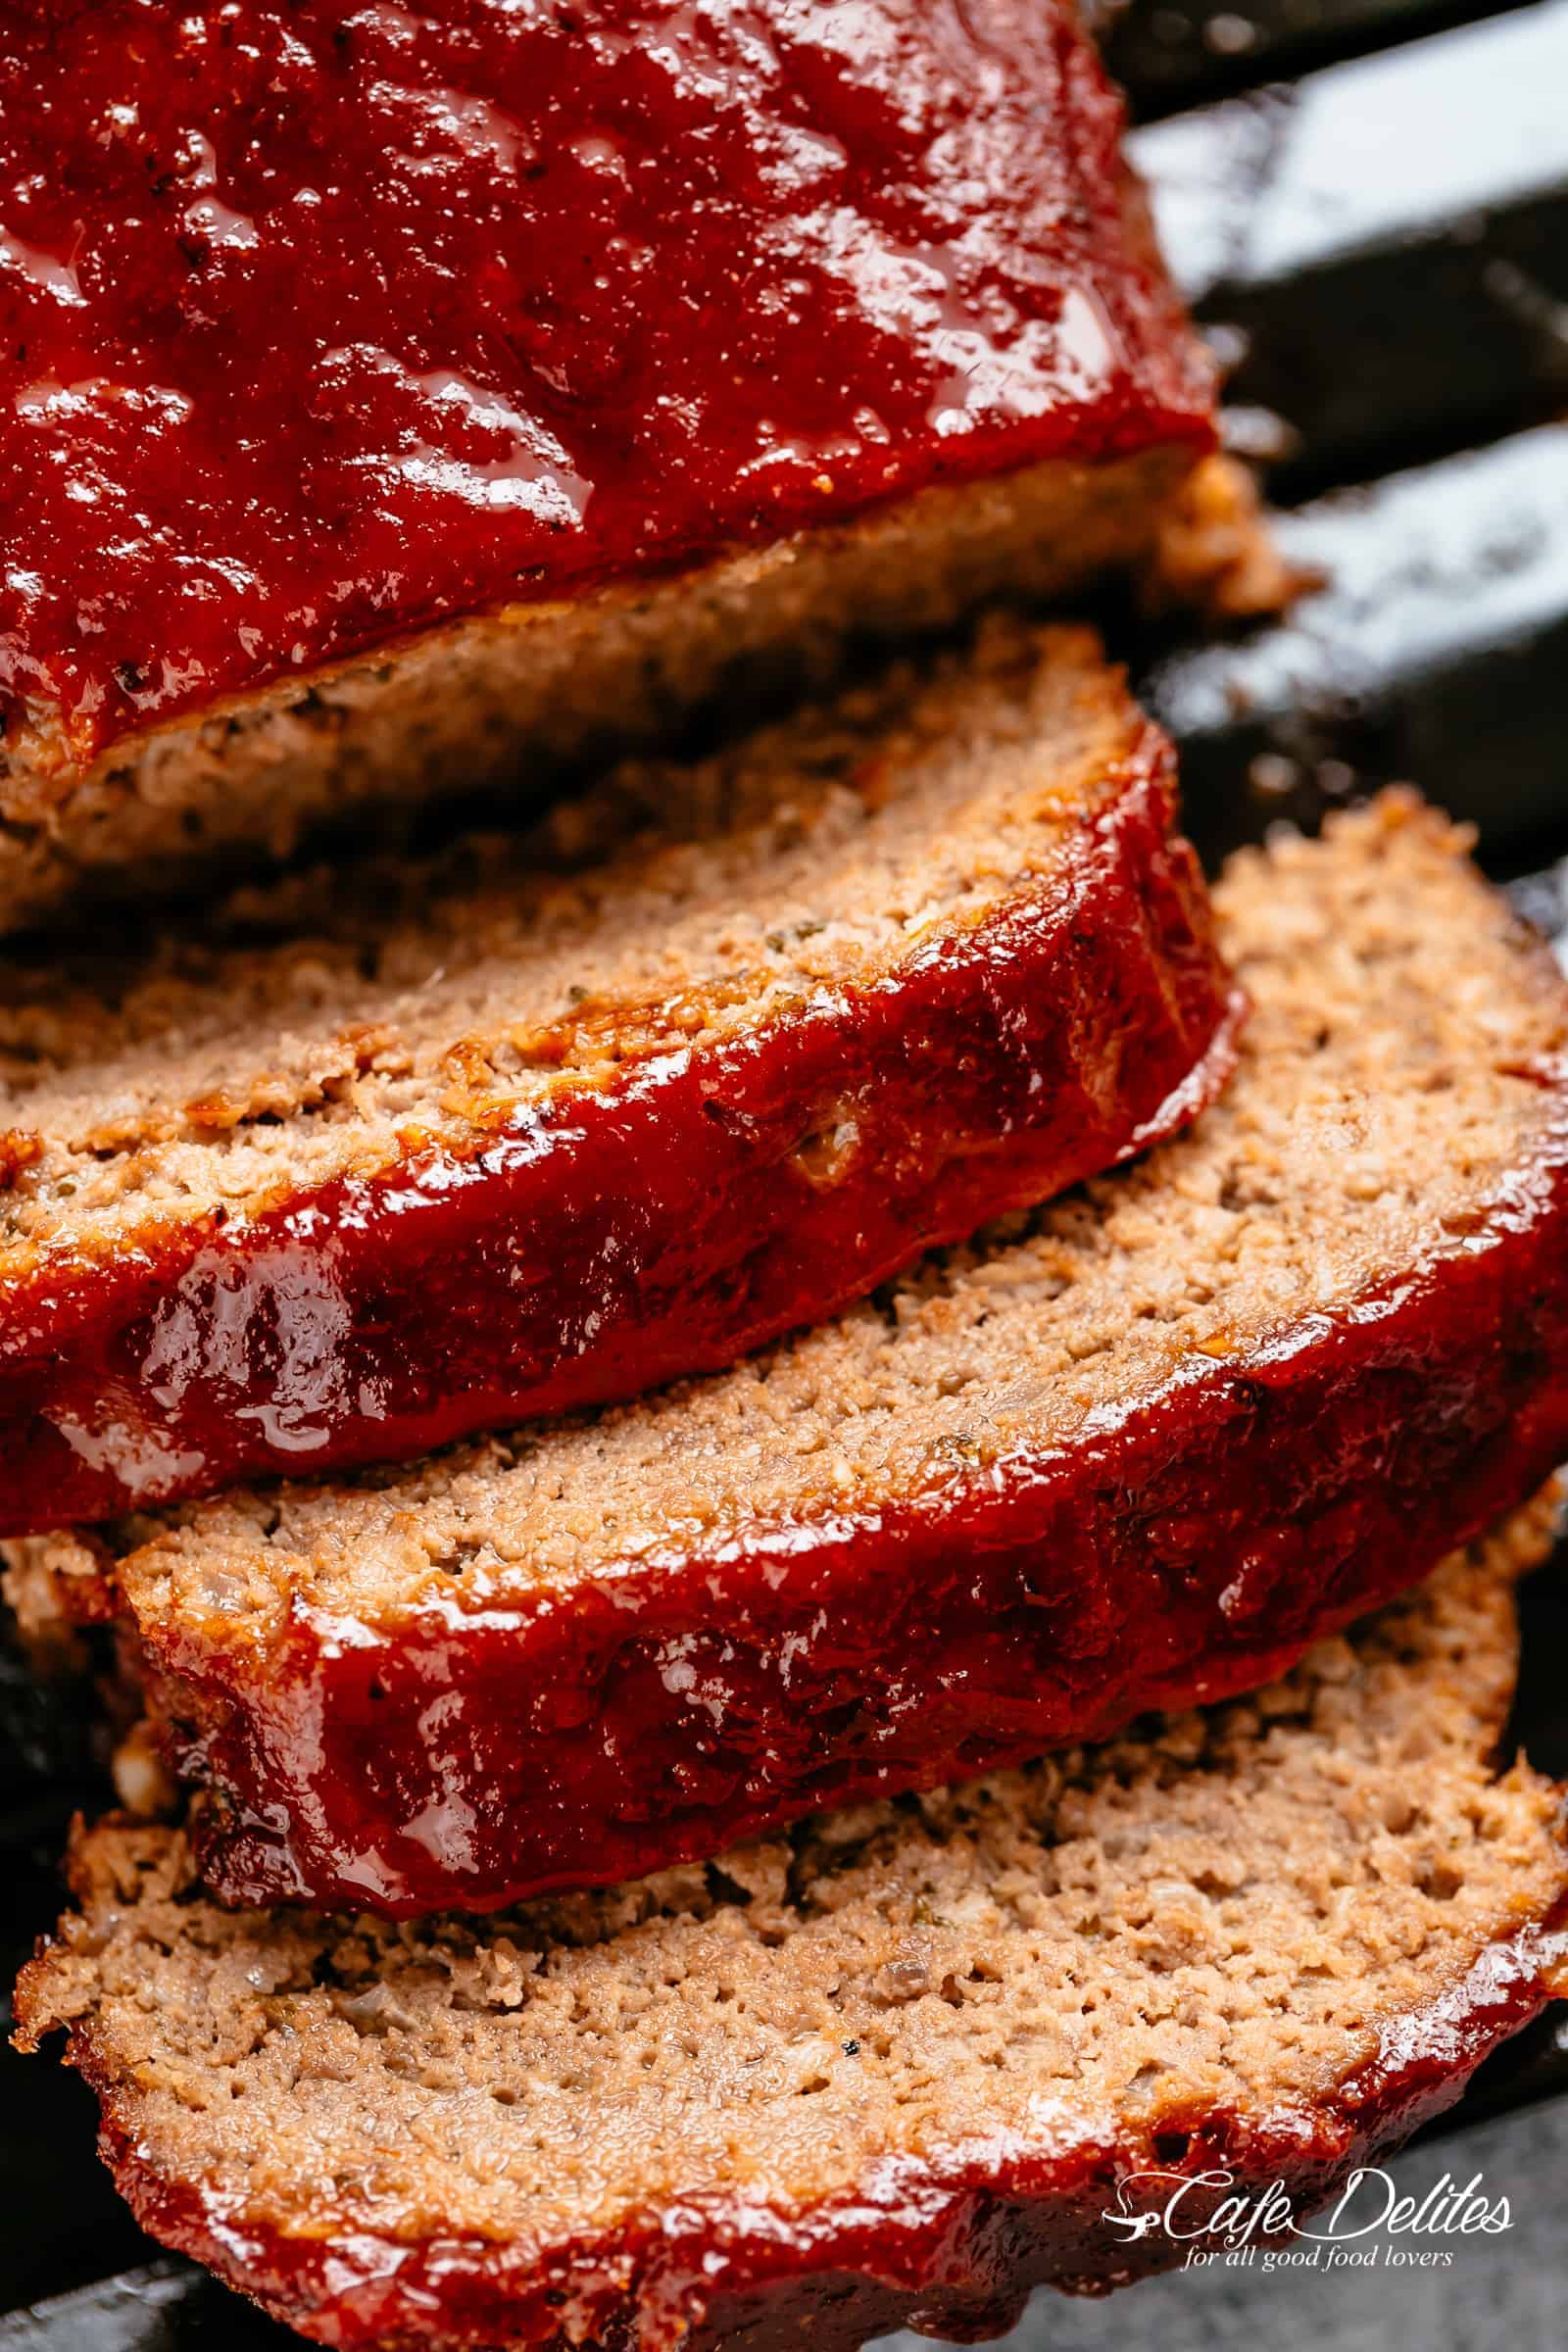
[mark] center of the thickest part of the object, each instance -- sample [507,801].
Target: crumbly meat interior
[1388,1100]
[320,1031]
[1226,1913]
[520,697]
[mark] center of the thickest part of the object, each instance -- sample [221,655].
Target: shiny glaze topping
[945,2240]
[665,1225]
[461,1757]
[324,323]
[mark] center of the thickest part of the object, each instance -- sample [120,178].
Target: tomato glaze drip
[324,323]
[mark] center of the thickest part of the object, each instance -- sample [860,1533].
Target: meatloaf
[396,400]
[898,2067]
[539,1124]
[1131,1451]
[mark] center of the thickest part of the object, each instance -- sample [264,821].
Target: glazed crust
[662,1224]
[899,2067]
[950,2249]
[1189,1556]
[406,511]
[1135,1452]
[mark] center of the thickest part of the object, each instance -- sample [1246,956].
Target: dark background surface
[1368,202]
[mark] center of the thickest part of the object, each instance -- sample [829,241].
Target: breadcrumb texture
[332,480]
[356,1167]
[1133,1449]
[899,2067]
[518,698]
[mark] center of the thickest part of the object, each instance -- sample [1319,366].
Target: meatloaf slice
[538,1126]
[900,2066]
[1135,1449]
[395,401]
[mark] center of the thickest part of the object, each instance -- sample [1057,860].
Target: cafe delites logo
[1372,2226]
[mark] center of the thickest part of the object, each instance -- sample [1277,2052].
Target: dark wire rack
[1367,201]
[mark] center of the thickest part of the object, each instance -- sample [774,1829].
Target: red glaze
[326,321]
[1188,1553]
[662,1226]
[949,2247]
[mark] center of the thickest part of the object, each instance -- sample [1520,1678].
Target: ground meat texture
[899,2066]
[1133,1449]
[350,1171]
[331,480]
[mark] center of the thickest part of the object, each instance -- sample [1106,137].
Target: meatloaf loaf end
[706,1056]
[899,2067]
[1134,1449]
[331,475]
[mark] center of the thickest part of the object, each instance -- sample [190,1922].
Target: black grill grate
[1380,251]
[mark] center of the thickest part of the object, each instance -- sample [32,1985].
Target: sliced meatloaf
[900,2066]
[395,400]
[1135,1449]
[539,1125]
